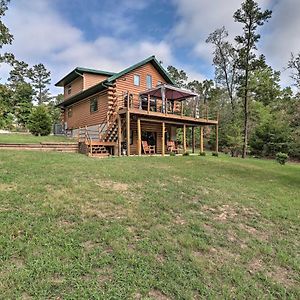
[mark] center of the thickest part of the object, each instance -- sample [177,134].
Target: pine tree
[40,78]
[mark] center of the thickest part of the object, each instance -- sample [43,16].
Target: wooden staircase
[102,141]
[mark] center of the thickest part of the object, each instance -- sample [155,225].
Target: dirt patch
[57,279]
[226,212]
[17,262]
[4,187]
[262,236]
[111,185]
[158,295]
[88,245]
[283,276]
[255,265]
[65,223]
[179,220]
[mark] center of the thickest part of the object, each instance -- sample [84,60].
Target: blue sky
[113,34]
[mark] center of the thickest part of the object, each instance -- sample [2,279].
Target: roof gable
[151,59]
[78,71]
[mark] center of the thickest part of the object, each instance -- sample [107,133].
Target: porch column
[217,138]
[139,137]
[119,136]
[184,138]
[128,131]
[201,139]
[148,103]
[163,139]
[193,139]
[163,98]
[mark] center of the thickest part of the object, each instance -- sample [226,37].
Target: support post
[181,108]
[193,139]
[119,135]
[148,108]
[163,98]
[128,100]
[184,138]
[163,139]
[139,137]
[201,139]
[128,132]
[217,138]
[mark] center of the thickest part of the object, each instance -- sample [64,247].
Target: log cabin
[118,113]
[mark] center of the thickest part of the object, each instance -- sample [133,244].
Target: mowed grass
[74,227]
[27,138]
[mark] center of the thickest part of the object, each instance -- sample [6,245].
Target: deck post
[128,132]
[148,107]
[217,133]
[184,138]
[163,98]
[163,139]
[119,135]
[139,137]
[201,139]
[193,139]
[181,108]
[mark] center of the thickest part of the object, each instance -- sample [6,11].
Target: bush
[202,153]
[215,154]
[40,121]
[281,158]
[172,154]
[186,153]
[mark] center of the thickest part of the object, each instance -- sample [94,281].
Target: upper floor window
[149,81]
[93,105]
[137,79]
[69,112]
[69,89]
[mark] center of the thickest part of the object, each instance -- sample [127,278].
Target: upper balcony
[163,102]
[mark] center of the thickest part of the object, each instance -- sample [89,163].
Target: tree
[251,16]
[225,61]
[22,103]
[40,121]
[40,78]
[18,73]
[294,65]
[54,111]
[6,113]
[179,76]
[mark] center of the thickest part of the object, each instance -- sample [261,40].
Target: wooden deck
[168,118]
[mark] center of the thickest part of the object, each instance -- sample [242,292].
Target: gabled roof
[78,71]
[113,76]
[151,59]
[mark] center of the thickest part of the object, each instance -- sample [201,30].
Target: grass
[74,227]
[11,138]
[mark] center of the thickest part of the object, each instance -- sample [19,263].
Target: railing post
[181,108]
[127,100]
[148,103]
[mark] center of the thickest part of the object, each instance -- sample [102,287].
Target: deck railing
[188,107]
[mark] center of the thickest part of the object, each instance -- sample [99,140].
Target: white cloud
[42,35]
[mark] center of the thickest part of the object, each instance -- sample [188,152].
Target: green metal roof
[102,85]
[79,71]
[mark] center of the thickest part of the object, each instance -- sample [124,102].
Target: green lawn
[29,138]
[74,227]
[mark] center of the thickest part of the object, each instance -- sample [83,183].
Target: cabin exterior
[108,111]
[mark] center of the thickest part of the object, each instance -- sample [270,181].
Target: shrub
[186,153]
[40,121]
[172,154]
[281,158]
[202,153]
[215,154]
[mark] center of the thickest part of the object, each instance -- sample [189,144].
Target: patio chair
[148,149]
[171,147]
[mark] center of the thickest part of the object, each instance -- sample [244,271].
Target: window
[69,112]
[149,81]
[136,80]
[69,89]
[93,105]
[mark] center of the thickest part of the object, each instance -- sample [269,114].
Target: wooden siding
[92,79]
[76,87]
[125,82]
[81,115]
